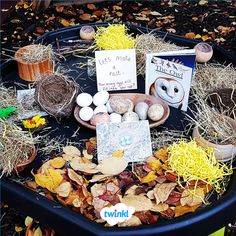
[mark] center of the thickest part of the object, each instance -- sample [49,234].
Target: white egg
[84,99]
[109,109]
[115,117]
[100,98]
[86,113]
[100,109]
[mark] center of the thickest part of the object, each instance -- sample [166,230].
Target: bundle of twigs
[16,146]
[56,95]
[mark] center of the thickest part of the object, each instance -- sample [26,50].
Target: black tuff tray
[202,222]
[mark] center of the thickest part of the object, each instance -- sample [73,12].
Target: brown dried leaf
[112,188]
[91,6]
[66,23]
[155,13]
[162,191]
[31,184]
[140,202]
[133,221]
[99,13]
[64,189]
[75,177]
[142,18]
[86,17]
[89,168]
[192,197]
[181,210]
[225,30]
[59,8]
[160,207]
[76,202]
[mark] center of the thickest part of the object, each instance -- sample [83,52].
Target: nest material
[149,43]
[56,95]
[224,100]
[15,146]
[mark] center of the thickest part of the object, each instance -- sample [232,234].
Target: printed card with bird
[169,76]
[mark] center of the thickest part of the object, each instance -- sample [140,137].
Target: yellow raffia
[192,162]
[114,37]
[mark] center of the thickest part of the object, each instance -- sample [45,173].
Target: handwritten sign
[116,69]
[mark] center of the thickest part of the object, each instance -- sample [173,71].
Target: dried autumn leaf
[160,207]
[225,30]
[142,18]
[118,164]
[162,191]
[205,37]
[74,162]
[97,178]
[57,162]
[50,180]
[91,6]
[63,189]
[38,232]
[99,13]
[72,151]
[18,229]
[194,18]
[67,157]
[149,177]
[31,184]
[133,221]
[75,177]
[76,202]
[98,189]
[131,190]
[140,202]
[117,8]
[154,164]
[89,168]
[112,188]
[59,8]
[155,13]
[150,194]
[28,221]
[161,154]
[190,35]
[119,14]
[44,167]
[181,210]
[86,155]
[192,197]
[118,153]
[197,36]
[66,23]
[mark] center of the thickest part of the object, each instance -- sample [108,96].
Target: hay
[56,95]
[212,77]
[15,146]
[149,43]
[35,53]
[215,127]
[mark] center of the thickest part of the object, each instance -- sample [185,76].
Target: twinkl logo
[118,213]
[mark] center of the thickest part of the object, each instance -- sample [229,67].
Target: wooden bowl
[222,152]
[32,71]
[135,97]
[22,166]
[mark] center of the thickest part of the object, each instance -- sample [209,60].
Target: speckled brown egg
[119,104]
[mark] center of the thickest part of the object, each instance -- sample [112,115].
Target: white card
[131,137]
[116,69]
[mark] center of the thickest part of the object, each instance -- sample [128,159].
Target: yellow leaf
[57,162]
[149,177]
[205,37]
[154,163]
[161,154]
[119,13]
[194,18]
[50,180]
[117,8]
[28,221]
[198,36]
[18,229]
[190,35]
[66,23]
[118,153]
[38,232]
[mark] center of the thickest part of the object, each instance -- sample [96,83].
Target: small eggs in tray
[120,107]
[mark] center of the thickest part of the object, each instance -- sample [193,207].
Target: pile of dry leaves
[152,188]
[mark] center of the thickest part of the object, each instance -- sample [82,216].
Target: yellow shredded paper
[192,162]
[114,37]
[50,180]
